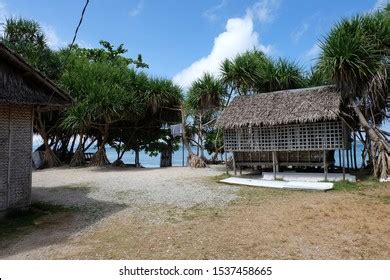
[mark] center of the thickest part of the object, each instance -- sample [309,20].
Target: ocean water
[177,157]
[146,160]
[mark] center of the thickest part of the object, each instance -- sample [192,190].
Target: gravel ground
[176,186]
[182,213]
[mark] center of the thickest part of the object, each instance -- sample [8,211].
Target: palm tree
[355,55]
[254,72]
[204,100]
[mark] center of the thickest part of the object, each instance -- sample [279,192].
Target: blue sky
[181,39]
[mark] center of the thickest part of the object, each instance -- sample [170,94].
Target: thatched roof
[282,107]
[21,83]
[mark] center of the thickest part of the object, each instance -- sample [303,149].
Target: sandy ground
[182,213]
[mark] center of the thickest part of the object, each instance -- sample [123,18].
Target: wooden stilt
[226,163]
[354,151]
[339,157]
[325,167]
[234,165]
[274,164]
[343,157]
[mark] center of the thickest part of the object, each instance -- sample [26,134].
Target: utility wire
[76,32]
[78,26]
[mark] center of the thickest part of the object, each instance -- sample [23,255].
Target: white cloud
[264,11]
[135,12]
[238,37]
[312,54]
[299,32]
[52,38]
[380,4]
[211,13]
[4,13]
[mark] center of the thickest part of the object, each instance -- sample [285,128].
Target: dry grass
[263,224]
[348,223]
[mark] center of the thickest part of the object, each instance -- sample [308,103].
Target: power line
[78,26]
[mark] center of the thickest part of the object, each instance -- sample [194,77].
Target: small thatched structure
[298,127]
[23,89]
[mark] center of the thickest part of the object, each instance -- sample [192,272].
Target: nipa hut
[22,91]
[298,128]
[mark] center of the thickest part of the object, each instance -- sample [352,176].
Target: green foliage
[27,39]
[254,72]
[214,142]
[206,93]
[354,52]
[317,78]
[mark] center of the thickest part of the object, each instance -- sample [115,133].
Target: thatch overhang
[22,84]
[282,107]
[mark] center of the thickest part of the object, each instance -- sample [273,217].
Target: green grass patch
[80,187]
[370,182]
[255,195]
[19,220]
[384,199]
[200,211]
[220,177]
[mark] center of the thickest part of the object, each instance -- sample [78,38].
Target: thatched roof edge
[36,76]
[282,107]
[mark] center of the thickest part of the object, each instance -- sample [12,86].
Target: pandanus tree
[103,84]
[355,54]
[159,101]
[27,38]
[253,72]
[204,100]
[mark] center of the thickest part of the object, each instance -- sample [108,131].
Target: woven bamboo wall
[294,137]
[15,156]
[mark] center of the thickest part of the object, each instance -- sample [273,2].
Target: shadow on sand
[48,222]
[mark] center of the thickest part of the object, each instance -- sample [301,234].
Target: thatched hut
[300,127]
[22,91]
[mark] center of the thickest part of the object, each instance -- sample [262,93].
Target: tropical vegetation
[118,104]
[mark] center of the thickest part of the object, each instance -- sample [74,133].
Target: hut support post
[343,158]
[226,164]
[339,157]
[182,142]
[354,150]
[325,167]
[274,164]
[234,165]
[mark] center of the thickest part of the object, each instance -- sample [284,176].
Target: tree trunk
[200,134]
[379,146]
[100,157]
[78,158]
[73,142]
[136,160]
[166,157]
[193,160]
[49,157]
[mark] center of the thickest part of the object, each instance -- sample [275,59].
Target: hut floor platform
[308,177]
[298,185]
